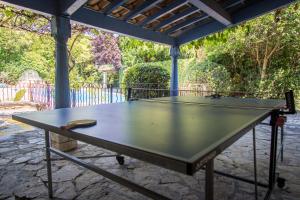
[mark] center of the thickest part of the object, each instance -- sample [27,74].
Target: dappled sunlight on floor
[10,126]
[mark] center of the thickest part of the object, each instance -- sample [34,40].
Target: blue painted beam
[114,5]
[258,9]
[213,9]
[175,18]
[233,3]
[206,29]
[99,20]
[46,7]
[186,23]
[163,11]
[247,13]
[145,6]
[69,7]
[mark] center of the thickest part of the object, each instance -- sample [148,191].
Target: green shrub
[279,82]
[210,74]
[144,76]
[219,79]
[19,95]
[184,66]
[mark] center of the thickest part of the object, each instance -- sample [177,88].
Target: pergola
[170,22]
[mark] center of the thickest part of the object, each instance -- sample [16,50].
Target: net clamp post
[207,158]
[280,121]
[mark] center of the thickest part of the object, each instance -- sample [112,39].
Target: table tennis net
[155,95]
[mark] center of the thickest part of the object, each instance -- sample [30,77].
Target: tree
[270,34]
[34,47]
[136,51]
[261,55]
[106,50]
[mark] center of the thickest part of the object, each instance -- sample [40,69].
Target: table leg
[48,159]
[282,143]
[254,162]
[209,180]
[273,151]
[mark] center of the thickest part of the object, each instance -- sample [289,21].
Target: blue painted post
[48,95]
[61,31]
[111,93]
[174,52]
[73,98]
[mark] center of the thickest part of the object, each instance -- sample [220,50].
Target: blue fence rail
[43,94]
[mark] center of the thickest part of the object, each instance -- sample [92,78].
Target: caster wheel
[120,159]
[280,182]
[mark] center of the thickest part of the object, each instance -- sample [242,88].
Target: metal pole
[254,161]
[273,150]
[129,91]
[111,93]
[111,176]
[48,159]
[209,180]
[282,143]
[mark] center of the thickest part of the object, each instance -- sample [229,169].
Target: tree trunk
[264,70]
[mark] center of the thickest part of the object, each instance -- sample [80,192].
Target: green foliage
[136,51]
[261,56]
[219,79]
[210,74]
[183,67]
[19,95]
[11,53]
[280,81]
[146,76]
[20,50]
[113,79]
[26,43]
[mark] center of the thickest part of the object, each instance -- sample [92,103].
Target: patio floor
[23,172]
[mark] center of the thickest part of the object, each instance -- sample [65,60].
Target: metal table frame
[207,163]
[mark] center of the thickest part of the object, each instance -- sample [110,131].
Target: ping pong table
[183,134]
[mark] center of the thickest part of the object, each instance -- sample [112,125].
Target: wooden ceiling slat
[186,23]
[113,5]
[174,18]
[142,8]
[164,11]
[183,29]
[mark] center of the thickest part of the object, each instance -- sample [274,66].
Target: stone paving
[23,170]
